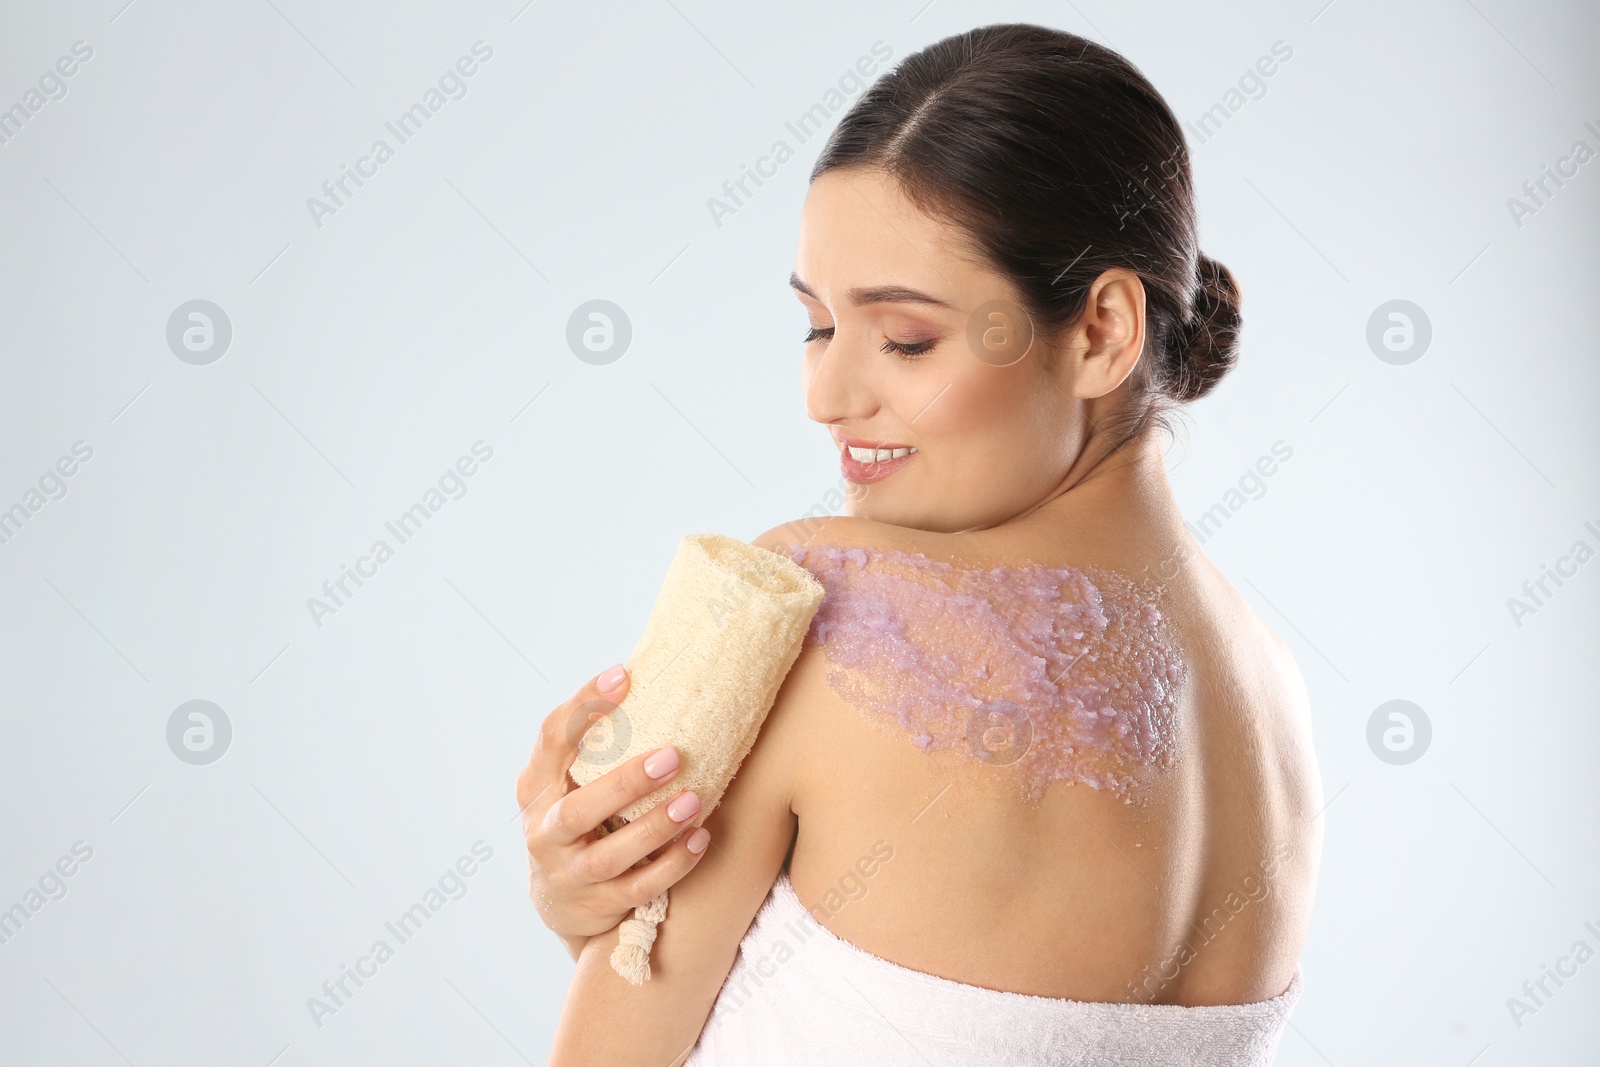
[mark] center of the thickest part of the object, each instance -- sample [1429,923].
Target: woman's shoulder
[883,543]
[848,531]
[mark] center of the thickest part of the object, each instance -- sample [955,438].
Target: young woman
[1040,787]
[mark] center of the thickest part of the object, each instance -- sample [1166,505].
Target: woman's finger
[615,853]
[643,884]
[544,779]
[580,810]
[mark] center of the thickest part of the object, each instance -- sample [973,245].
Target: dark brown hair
[1060,160]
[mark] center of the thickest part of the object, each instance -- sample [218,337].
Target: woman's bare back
[1192,887]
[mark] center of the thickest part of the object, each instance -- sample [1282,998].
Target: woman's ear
[1104,346]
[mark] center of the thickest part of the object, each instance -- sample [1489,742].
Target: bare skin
[1080,895]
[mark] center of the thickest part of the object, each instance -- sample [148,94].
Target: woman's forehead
[859,228]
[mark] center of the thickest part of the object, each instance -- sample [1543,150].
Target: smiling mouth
[872,461]
[878,455]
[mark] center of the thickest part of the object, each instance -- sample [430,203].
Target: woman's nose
[835,388]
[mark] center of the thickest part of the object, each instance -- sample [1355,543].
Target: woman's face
[915,343]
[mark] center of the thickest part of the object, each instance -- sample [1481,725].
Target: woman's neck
[1125,486]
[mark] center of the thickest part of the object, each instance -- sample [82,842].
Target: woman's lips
[866,473]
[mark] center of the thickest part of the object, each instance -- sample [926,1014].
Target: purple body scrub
[1057,673]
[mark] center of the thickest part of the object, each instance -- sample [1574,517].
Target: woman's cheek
[968,398]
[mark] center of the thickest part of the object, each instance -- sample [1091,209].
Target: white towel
[799,994]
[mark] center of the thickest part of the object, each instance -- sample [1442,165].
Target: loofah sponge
[725,629]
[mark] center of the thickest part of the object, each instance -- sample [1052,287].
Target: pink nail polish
[698,840]
[682,808]
[610,678]
[661,762]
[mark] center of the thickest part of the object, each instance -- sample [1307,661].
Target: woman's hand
[581,884]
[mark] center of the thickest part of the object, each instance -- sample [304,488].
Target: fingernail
[610,678]
[685,806]
[698,840]
[662,762]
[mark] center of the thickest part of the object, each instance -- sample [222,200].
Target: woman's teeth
[878,455]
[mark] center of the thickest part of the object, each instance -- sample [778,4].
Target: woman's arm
[607,1021]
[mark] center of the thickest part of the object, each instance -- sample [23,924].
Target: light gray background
[430,312]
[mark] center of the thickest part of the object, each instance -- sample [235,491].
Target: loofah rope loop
[635,937]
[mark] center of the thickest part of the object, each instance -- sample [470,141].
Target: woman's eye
[908,349]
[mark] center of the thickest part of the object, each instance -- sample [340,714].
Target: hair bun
[1207,346]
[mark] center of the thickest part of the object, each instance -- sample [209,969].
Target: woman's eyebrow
[876,294]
